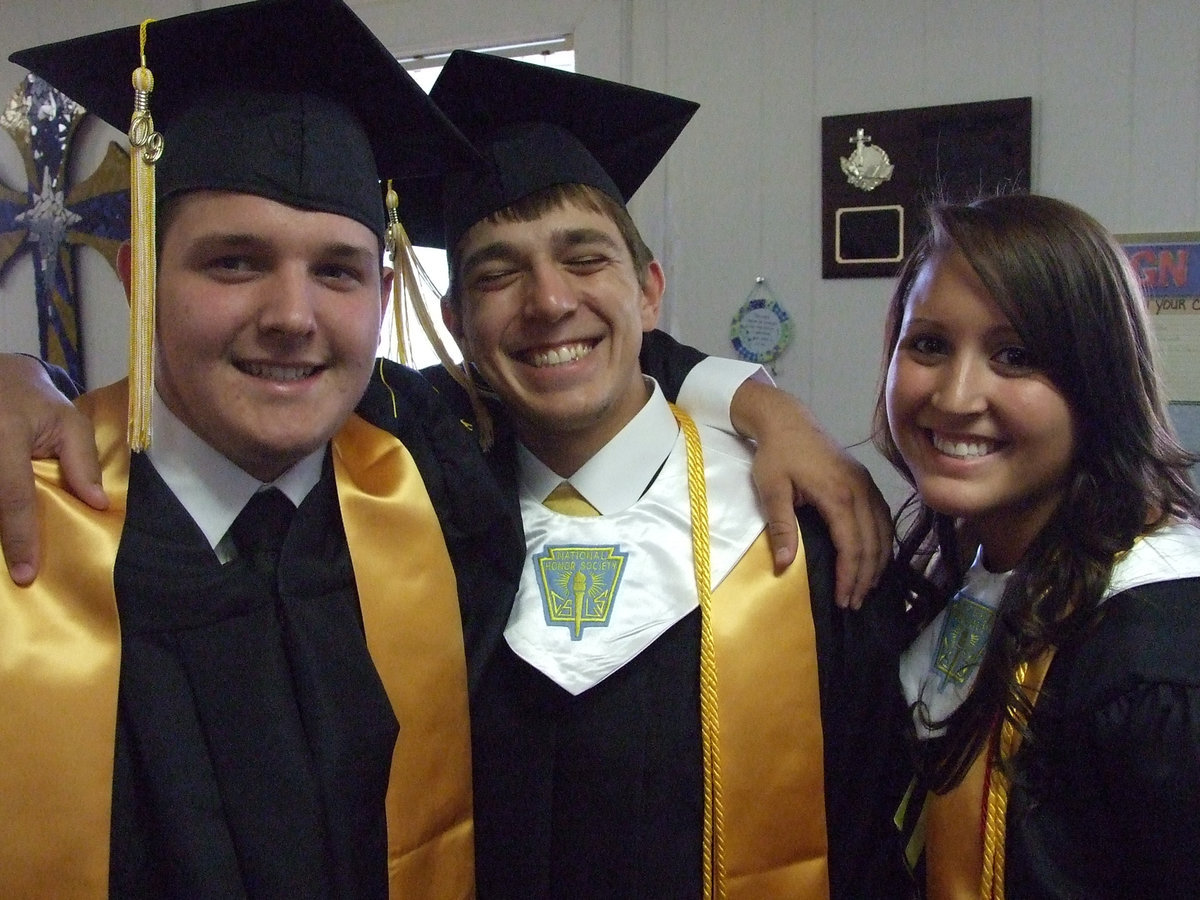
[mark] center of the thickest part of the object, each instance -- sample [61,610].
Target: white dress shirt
[211,488]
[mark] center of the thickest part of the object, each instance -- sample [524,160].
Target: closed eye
[491,279]
[585,265]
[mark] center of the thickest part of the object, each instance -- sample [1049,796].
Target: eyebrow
[236,240]
[1005,331]
[497,250]
[353,252]
[571,237]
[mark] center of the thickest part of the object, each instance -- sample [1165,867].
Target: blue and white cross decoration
[51,217]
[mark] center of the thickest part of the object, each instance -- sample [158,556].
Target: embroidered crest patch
[579,585]
[964,636]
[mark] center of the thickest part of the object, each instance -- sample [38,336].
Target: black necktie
[260,528]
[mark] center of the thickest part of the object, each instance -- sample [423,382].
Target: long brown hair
[1069,291]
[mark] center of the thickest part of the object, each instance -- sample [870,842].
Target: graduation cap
[293,100]
[534,127]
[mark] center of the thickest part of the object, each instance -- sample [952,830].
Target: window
[556,52]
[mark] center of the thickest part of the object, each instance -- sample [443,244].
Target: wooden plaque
[880,169]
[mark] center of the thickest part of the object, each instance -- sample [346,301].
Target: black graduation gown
[600,795]
[552,822]
[1106,800]
[254,737]
[254,760]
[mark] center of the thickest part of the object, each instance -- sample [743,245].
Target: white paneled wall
[1115,87]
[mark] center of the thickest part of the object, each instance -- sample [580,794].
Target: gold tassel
[407,284]
[404,275]
[145,148]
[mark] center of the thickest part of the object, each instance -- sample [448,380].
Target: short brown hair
[534,206]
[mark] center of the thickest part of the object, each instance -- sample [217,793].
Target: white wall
[1116,100]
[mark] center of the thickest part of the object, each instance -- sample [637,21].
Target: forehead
[948,289]
[197,214]
[566,222]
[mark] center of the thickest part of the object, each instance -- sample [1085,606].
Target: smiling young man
[268,320]
[197,705]
[602,769]
[569,388]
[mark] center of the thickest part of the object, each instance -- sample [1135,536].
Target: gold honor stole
[772,778]
[60,666]
[964,827]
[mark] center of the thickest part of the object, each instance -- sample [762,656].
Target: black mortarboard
[293,100]
[231,97]
[535,126]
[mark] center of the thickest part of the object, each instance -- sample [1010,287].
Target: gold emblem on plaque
[868,166]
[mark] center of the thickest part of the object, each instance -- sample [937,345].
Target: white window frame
[558,52]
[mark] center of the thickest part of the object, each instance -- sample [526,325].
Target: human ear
[387,275]
[452,319]
[654,285]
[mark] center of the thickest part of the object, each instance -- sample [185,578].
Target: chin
[950,499]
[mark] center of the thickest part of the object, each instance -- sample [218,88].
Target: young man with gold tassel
[229,683]
[668,716]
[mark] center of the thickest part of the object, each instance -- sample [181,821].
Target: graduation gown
[600,795]
[255,735]
[1106,800]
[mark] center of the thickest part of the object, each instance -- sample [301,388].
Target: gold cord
[995,812]
[996,803]
[713,850]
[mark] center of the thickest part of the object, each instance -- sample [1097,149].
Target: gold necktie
[568,501]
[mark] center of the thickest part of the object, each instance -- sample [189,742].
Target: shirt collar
[615,477]
[211,488]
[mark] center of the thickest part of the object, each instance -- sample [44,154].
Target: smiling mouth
[557,356]
[270,372]
[963,449]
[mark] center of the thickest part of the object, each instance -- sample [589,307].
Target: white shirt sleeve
[707,392]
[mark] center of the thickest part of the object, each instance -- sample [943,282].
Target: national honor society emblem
[579,585]
[964,636]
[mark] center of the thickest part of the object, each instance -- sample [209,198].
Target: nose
[962,386]
[288,304]
[549,294]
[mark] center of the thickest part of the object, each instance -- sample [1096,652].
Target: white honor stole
[940,666]
[597,591]
[1167,554]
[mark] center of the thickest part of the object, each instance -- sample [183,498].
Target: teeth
[558,355]
[963,449]
[278,373]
